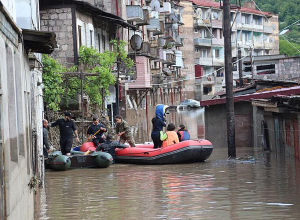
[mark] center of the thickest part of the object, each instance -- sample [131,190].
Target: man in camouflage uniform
[123,131]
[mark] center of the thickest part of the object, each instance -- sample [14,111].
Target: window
[99,43]
[203,53]
[91,37]
[79,36]
[203,33]
[196,50]
[196,30]
[217,53]
[103,42]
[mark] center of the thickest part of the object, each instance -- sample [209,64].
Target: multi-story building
[253,32]
[21,106]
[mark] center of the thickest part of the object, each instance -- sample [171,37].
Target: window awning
[39,41]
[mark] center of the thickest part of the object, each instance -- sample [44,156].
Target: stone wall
[60,22]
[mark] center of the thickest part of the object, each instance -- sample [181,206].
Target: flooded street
[265,188]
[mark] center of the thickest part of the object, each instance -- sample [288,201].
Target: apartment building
[159,62]
[254,32]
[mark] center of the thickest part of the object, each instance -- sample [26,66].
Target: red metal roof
[262,95]
[213,4]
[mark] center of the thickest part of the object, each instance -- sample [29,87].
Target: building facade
[253,32]
[21,103]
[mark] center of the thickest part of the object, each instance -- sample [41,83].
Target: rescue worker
[96,132]
[110,146]
[123,131]
[66,129]
[158,122]
[170,137]
[183,134]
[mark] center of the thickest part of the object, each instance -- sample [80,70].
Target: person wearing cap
[66,129]
[110,146]
[96,131]
[183,134]
[123,131]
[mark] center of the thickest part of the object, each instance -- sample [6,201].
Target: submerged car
[190,103]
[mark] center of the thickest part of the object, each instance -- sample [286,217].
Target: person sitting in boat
[170,137]
[96,131]
[158,122]
[123,131]
[183,134]
[110,146]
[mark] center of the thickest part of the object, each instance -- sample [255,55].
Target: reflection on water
[217,189]
[267,188]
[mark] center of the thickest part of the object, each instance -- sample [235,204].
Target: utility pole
[240,67]
[229,80]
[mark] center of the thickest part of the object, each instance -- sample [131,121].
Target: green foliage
[63,88]
[52,81]
[289,48]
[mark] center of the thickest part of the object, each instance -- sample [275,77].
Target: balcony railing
[216,23]
[134,13]
[268,29]
[179,41]
[201,22]
[258,45]
[269,45]
[218,41]
[146,20]
[154,26]
[202,41]
[204,61]
[144,51]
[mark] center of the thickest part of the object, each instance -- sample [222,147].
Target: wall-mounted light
[41,85]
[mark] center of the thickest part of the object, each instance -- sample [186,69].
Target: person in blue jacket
[158,122]
[183,134]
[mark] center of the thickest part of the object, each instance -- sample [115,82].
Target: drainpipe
[74,30]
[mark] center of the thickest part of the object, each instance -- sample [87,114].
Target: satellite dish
[173,18]
[136,42]
[271,40]
[199,13]
[215,15]
[155,5]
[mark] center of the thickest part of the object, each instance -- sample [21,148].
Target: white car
[190,103]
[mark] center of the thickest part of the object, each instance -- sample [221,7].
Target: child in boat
[183,134]
[170,137]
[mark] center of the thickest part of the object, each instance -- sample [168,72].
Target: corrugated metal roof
[217,5]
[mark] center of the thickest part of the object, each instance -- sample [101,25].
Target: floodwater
[266,187]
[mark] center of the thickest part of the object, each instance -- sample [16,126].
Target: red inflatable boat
[183,152]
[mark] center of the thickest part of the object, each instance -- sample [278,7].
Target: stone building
[21,103]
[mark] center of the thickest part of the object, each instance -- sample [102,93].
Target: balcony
[201,22]
[269,46]
[202,41]
[204,61]
[154,52]
[144,51]
[179,41]
[134,13]
[218,41]
[154,26]
[268,29]
[216,23]
[258,28]
[218,61]
[146,20]
[258,44]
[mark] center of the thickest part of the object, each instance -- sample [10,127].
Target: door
[243,134]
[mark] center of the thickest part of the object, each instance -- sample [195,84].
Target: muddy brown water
[267,187]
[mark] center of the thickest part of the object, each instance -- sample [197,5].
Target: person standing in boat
[46,147]
[66,129]
[96,132]
[170,137]
[158,122]
[183,134]
[110,146]
[123,131]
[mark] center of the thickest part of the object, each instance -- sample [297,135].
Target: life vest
[172,139]
[185,135]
